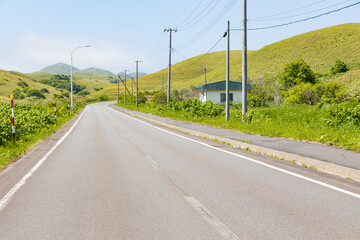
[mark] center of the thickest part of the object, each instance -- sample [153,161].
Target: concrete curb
[322,166]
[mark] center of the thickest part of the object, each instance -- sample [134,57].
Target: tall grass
[297,122]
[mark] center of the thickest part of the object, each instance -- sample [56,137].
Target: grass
[297,122]
[9,81]
[10,152]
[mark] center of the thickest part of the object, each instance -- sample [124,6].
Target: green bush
[256,101]
[17,94]
[44,90]
[306,93]
[294,73]
[339,67]
[32,92]
[103,98]
[160,98]
[343,114]
[29,119]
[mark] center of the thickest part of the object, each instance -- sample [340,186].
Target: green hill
[93,82]
[58,68]
[320,49]
[94,70]
[14,80]
[62,68]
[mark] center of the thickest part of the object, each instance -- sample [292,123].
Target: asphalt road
[115,177]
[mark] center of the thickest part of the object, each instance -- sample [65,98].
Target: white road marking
[252,160]
[152,163]
[224,231]
[6,199]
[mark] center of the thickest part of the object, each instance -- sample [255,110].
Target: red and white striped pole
[55,109]
[12,118]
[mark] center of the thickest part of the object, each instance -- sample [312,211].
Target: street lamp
[71,73]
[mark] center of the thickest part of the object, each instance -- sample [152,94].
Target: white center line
[223,230]
[152,163]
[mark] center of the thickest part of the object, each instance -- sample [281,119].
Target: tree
[294,73]
[339,67]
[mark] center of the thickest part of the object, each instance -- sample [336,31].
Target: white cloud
[41,50]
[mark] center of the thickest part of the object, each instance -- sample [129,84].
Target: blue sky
[37,33]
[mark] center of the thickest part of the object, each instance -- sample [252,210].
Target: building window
[223,97]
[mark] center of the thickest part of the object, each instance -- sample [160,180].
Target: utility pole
[244,64]
[125,88]
[227,72]
[162,83]
[137,81]
[170,30]
[132,83]
[118,88]
[205,83]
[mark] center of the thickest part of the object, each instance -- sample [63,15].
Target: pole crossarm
[123,82]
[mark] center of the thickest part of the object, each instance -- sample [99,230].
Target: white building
[216,92]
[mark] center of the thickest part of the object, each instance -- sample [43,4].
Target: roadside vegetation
[300,104]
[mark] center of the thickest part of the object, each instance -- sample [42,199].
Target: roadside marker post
[12,118]
[69,108]
[55,110]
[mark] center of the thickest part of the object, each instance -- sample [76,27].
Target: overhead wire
[191,24]
[191,13]
[289,11]
[204,55]
[301,20]
[305,13]
[211,24]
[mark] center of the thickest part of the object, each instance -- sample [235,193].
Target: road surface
[116,177]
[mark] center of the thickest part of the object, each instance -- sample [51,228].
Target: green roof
[221,86]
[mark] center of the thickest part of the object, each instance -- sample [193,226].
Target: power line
[211,24]
[301,14]
[203,56]
[301,20]
[191,13]
[289,11]
[191,24]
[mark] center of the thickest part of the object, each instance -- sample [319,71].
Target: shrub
[343,114]
[83,92]
[303,93]
[32,92]
[22,84]
[339,67]
[160,98]
[17,94]
[44,90]
[294,73]
[103,98]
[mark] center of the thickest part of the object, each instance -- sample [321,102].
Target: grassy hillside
[320,49]
[58,68]
[12,80]
[94,70]
[91,81]
[183,73]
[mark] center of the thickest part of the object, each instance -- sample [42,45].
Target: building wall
[215,96]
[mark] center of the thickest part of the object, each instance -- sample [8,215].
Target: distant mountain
[62,68]
[132,75]
[94,70]
[59,68]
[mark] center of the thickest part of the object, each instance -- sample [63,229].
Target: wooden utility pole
[170,30]
[244,64]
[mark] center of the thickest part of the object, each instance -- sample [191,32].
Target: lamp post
[71,73]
